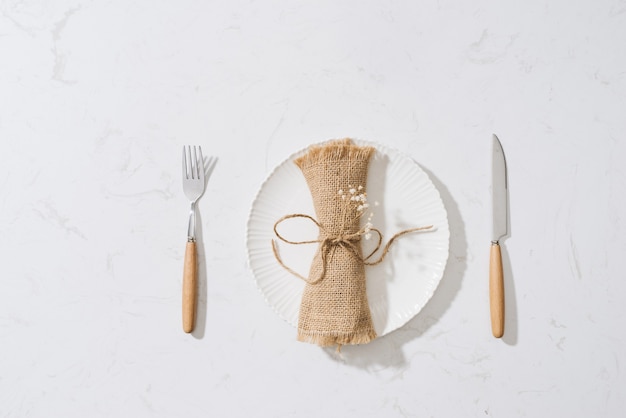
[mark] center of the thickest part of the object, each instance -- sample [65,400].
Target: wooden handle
[496,291]
[190,284]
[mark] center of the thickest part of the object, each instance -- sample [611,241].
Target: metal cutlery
[193,187]
[500,212]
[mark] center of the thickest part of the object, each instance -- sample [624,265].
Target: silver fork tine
[192,159]
[192,162]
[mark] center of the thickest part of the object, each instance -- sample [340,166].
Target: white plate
[399,287]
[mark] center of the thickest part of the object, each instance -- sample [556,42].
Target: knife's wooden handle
[496,291]
[190,284]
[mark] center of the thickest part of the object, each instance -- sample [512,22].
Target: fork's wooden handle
[190,284]
[496,291]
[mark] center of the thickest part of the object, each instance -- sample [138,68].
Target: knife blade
[500,210]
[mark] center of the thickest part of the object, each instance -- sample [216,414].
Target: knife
[500,211]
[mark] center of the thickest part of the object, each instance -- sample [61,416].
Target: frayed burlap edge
[339,339]
[335,149]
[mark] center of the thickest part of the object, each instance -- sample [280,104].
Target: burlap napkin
[334,309]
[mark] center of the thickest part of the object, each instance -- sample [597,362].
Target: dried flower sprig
[356,206]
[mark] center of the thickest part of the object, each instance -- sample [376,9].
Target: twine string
[329,243]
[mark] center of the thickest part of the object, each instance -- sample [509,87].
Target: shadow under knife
[510,335]
[510,301]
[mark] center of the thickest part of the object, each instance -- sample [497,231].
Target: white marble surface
[97,97]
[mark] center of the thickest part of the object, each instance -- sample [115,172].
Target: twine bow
[329,243]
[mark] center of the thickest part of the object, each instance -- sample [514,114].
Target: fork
[193,187]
